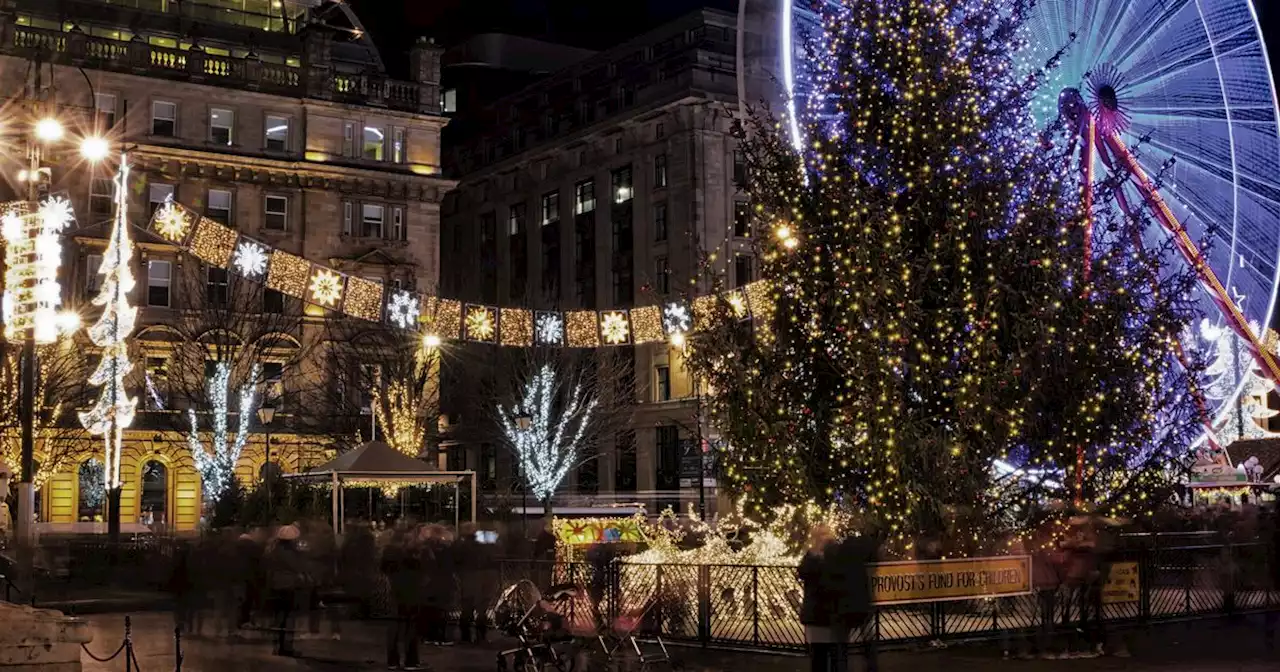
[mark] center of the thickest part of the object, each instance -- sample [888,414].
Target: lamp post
[265,415]
[46,130]
[524,422]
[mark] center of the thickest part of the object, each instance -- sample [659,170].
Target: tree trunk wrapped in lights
[217,461]
[932,353]
[114,409]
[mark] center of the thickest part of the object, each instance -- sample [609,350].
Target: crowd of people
[412,577]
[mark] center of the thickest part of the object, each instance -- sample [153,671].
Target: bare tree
[233,336]
[384,383]
[61,387]
[552,408]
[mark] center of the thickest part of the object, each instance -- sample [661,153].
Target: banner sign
[607,531]
[1122,583]
[940,580]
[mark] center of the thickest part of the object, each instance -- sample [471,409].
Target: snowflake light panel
[251,259]
[403,309]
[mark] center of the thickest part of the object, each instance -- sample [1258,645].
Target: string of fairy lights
[441,319]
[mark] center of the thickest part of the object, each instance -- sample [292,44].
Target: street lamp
[32,257]
[524,422]
[265,415]
[94,148]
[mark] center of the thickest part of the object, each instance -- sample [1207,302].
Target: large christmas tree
[935,355]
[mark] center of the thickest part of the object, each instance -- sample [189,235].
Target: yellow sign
[584,532]
[1122,583]
[935,580]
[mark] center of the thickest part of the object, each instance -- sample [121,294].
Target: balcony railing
[194,64]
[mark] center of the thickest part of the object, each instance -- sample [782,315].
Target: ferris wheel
[1176,99]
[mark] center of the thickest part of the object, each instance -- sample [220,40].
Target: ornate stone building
[276,118]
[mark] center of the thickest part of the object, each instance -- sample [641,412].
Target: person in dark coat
[846,574]
[286,578]
[402,564]
[816,606]
[1272,539]
[182,586]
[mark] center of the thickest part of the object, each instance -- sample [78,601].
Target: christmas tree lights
[217,461]
[114,410]
[546,428]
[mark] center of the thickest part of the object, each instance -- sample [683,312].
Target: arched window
[93,491]
[154,505]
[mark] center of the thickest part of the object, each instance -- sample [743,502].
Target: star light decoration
[172,221]
[251,259]
[326,287]
[403,309]
[550,328]
[676,318]
[480,323]
[614,328]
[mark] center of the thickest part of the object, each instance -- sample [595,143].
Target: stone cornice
[191,163]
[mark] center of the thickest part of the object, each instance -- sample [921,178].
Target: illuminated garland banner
[226,248]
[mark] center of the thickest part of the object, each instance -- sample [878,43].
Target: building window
[219,206]
[398,230]
[277,134]
[624,445]
[668,445]
[93,279]
[488,467]
[164,119]
[272,301]
[373,143]
[584,197]
[617,145]
[488,228]
[741,270]
[660,171]
[739,167]
[550,208]
[399,152]
[370,380]
[741,219]
[662,384]
[157,194]
[101,197]
[371,218]
[276,211]
[456,458]
[449,100]
[221,124]
[273,384]
[158,279]
[659,222]
[589,476]
[622,184]
[349,138]
[347,207]
[216,287]
[659,131]
[661,275]
[515,219]
[105,105]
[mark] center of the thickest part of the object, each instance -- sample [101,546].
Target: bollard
[128,644]
[177,648]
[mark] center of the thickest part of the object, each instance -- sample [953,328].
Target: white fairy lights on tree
[1247,419]
[546,432]
[114,410]
[217,462]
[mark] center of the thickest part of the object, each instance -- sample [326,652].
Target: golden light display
[758,301]
[442,317]
[364,299]
[288,274]
[213,243]
[326,287]
[646,324]
[481,323]
[516,325]
[581,329]
[173,222]
[738,302]
[704,310]
[614,327]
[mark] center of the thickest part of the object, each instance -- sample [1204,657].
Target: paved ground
[1193,646]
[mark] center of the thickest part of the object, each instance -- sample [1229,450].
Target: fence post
[177,648]
[1229,576]
[704,604]
[128,644]
[995,614]
[755,604]
[659,598]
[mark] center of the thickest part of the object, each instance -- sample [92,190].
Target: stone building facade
[611,183]
[275,118]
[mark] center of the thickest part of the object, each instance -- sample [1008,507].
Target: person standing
[402,565]
[847,571]
[285,578]
[816,605]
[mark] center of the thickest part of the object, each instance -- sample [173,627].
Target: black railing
[757,606]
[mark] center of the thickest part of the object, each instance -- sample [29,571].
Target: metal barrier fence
[758,606]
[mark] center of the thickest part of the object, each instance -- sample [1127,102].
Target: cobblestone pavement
[1194,646]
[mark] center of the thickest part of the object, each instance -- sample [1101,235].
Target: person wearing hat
[285,579]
